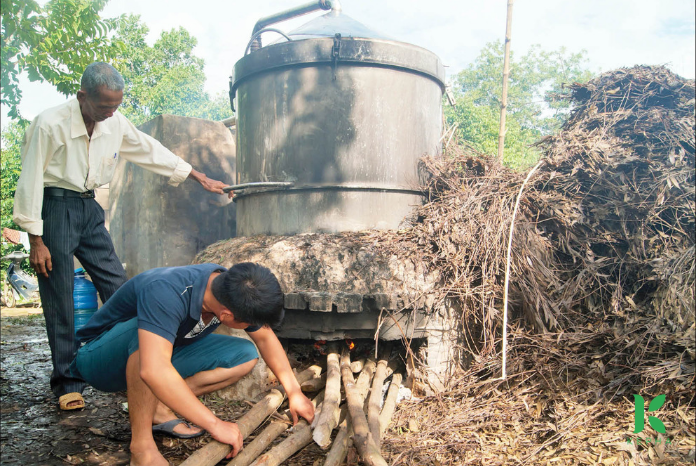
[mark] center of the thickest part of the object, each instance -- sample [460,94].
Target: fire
[350,344]
[319,346]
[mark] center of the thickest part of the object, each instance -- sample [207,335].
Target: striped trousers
[73,227]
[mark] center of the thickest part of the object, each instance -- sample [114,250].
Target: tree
[535,108]
[52,44]
[164,78]
[10,167]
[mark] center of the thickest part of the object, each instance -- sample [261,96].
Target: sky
[614,33]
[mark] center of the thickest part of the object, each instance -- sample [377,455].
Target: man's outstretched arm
[272,352]
[158,373]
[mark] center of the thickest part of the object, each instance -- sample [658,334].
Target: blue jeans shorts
[102,361]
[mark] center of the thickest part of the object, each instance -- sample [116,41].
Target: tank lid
[332,23]
[337,52]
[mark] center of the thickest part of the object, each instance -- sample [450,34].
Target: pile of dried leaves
[602,267]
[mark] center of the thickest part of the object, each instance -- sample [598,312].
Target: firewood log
[374,402]
[389,403]
[276,427]
[356,366]
[314,385]
[328,418]
[297,440]
[213,452]
[363,440]
[344,439]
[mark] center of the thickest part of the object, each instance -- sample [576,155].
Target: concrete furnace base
[337,287]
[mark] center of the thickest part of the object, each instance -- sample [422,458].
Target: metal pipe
[287,14]
[229,122]
[260,184]
[320,187]
[258,35]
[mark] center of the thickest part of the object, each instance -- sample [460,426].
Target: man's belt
[60,192]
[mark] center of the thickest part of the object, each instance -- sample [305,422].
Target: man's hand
[229,433]
[300,406]
[277,360]
[209,184]
[39,256]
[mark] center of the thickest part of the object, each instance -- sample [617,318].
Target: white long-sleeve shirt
[58,152]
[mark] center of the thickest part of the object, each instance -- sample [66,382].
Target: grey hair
[100,74]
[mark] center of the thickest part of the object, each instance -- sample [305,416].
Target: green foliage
[164,78]
[53,44]
[535,109]
[10,167]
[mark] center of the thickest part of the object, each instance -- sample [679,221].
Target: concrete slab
[153,224]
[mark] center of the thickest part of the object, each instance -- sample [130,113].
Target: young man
[67,152]
[153,338]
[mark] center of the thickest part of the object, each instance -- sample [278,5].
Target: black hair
[251,293]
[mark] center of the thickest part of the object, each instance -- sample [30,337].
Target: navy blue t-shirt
[167,302]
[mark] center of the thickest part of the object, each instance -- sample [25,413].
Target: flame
[350,344]
[319,345]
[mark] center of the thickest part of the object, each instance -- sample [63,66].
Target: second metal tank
[341,115]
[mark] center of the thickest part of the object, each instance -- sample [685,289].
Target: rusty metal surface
[363,119]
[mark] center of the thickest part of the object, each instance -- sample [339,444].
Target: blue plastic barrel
[85,299]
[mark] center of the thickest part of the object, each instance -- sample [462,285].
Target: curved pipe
[291,13]
[258,35]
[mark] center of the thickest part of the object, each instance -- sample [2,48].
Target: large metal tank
[341,114]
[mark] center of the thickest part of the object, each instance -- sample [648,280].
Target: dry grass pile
[602,266]
[621,207]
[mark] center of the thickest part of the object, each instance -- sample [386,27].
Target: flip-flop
[68,398]
[167,428]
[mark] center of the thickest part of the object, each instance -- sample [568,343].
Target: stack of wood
[360,420]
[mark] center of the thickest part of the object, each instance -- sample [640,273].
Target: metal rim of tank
[348,51]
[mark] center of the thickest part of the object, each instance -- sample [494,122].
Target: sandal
[68,398]
[167,428]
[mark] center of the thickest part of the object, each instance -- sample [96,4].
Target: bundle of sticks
[361,419]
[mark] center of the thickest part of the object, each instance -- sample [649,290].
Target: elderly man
[153,338]
[67,152]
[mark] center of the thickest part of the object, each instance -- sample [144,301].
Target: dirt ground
[35,432]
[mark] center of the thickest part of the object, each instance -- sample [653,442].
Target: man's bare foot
[164,414]
[148,458]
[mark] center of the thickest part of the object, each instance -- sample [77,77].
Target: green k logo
[654,422]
